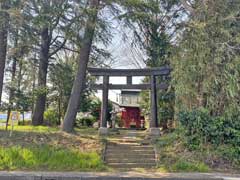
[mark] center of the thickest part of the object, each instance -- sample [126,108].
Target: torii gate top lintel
[158,71]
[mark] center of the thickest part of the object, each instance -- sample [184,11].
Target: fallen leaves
[56,139]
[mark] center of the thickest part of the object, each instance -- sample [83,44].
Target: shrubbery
[89,121]
[86,120]
[51,117]
[202,128]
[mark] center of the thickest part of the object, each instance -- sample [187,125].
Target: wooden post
[129,80]
[104,108]
[154,130]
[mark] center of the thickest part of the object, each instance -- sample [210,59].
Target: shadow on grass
[32,136]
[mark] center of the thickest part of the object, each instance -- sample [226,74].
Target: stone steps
[129,155]
[118,156]
[125,141]
[128,147]
[130,151]
[132,165]
[132,160]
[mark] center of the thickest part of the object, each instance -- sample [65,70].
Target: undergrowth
[175,155]
[48,149]
[48,158]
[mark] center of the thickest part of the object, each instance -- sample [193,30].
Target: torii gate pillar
[154,130]
[104,107]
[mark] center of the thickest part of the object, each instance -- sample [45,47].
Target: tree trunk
[12,86]
[23,116]
[42,78]
[80,79]
[3,43]
[19,77]
[59,110]
[33,88]
[12,90]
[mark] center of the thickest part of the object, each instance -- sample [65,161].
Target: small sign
[15,116]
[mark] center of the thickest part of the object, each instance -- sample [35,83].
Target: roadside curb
[113,176]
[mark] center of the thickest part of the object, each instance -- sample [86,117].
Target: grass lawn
[47,149]
[175,157]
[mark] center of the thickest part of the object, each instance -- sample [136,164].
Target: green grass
[29,128]
[174,156]
[87,131]
[48,149]
[185,166]
[48,158]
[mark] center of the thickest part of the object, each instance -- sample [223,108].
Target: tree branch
[187,6]
[57,49]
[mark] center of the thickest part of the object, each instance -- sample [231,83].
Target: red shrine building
[131,113]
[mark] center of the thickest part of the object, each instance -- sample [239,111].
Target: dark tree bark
[19,76]
[80,78]
[33,86]
[42,78]
[187,6]
[59,110]
[23,118]
[13,73]
[12,90]
[4,18]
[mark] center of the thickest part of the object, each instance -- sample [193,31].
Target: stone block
[154,132]
[103,131]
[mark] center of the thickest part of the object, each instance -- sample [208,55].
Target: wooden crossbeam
[160,71]
[162,86]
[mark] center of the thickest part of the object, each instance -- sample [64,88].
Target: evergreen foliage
[206,71]
[206,66]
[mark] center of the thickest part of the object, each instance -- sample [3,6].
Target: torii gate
[129,73]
